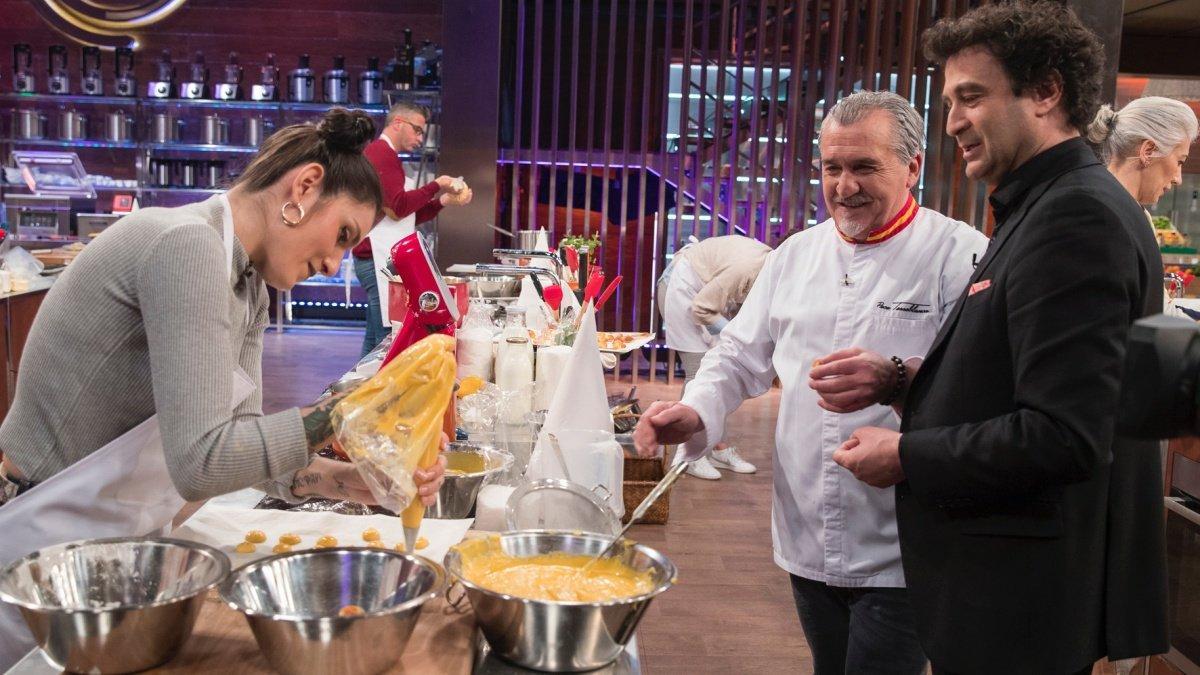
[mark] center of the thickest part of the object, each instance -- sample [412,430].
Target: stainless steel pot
[112,605]
[292,604]
[160,170]
[459,490]
[214,130]
[164,128]
[256,131]
[118,127]
[72,125]
[561,636]
[214,173]
[30,125]
[187,174]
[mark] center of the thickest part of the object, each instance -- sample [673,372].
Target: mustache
[852,201]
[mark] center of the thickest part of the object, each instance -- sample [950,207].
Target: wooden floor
[731,611]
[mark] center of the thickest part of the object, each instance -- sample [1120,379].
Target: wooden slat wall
[744,161]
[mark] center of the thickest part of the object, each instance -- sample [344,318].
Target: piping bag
[403,410]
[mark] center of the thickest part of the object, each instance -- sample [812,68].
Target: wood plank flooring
[731,611]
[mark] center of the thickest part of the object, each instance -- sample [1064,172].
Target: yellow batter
[459,463]
[550,576]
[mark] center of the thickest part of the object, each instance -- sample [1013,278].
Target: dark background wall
[321,28]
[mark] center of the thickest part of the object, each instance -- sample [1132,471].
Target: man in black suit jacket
[1031,537]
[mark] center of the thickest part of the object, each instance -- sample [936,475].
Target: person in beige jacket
[699,292]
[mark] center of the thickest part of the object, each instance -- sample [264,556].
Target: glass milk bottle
[514,366]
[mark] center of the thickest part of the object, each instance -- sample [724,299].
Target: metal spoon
[562,460]
[663,485]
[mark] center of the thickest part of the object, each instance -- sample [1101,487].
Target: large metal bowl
[459,490]
[487,285]
[112,605]
[561,636]
[291,602]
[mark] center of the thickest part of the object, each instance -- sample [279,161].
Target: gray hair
[1162,121]
[406,107]
[908,128]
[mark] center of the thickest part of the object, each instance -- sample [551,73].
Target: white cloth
[682,331]
[581,404]
[535,316]
[121,490]
[383,237]
[825,524]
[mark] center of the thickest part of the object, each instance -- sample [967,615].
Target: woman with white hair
[1145,145]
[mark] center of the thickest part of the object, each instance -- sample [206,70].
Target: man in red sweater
[403,132]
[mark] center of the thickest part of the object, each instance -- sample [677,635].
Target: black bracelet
[901,378]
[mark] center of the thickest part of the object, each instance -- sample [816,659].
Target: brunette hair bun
[346,131]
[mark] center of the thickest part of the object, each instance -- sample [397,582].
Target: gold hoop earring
[283,212]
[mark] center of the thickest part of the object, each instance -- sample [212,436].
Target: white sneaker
[702,468]
[730,459]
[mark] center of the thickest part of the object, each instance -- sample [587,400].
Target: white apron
[121,490]
[383,237]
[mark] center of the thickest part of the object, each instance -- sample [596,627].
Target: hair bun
[346,131]
[1103,124]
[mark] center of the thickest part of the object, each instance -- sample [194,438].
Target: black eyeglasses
[418,130]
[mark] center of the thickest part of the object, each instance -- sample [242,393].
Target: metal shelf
[288,106]
[47,142]
[70,98]
[209,103]
[181,190]
[201,147]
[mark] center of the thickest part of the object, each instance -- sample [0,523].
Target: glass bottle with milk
[514,366]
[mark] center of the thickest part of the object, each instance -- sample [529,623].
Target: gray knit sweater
[145,321]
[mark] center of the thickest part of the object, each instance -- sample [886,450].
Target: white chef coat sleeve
[967,248]
[740,366]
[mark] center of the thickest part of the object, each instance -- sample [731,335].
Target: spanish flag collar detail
[896,225]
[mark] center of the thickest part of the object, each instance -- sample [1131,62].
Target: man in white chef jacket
[880,275]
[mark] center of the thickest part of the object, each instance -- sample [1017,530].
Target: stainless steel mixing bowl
[291,602]
[459,490]
[112,605]
[485,285]
[562,636]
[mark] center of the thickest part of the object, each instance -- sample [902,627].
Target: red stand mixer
[430,306]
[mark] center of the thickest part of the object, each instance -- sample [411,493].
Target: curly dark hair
[1033,42]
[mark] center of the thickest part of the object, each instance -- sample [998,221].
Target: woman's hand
[331,479]
[430,480]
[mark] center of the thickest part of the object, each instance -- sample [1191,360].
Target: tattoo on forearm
[303,480]
[318,424]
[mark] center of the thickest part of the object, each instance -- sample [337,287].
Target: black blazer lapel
[989,256]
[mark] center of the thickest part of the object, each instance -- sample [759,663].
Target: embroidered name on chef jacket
[904,307]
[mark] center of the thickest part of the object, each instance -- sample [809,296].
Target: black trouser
[858,630]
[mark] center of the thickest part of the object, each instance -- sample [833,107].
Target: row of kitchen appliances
[409,68]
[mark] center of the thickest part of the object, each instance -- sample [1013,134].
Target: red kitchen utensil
[573,259]
[553,296]
[612,287]
[594,283]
